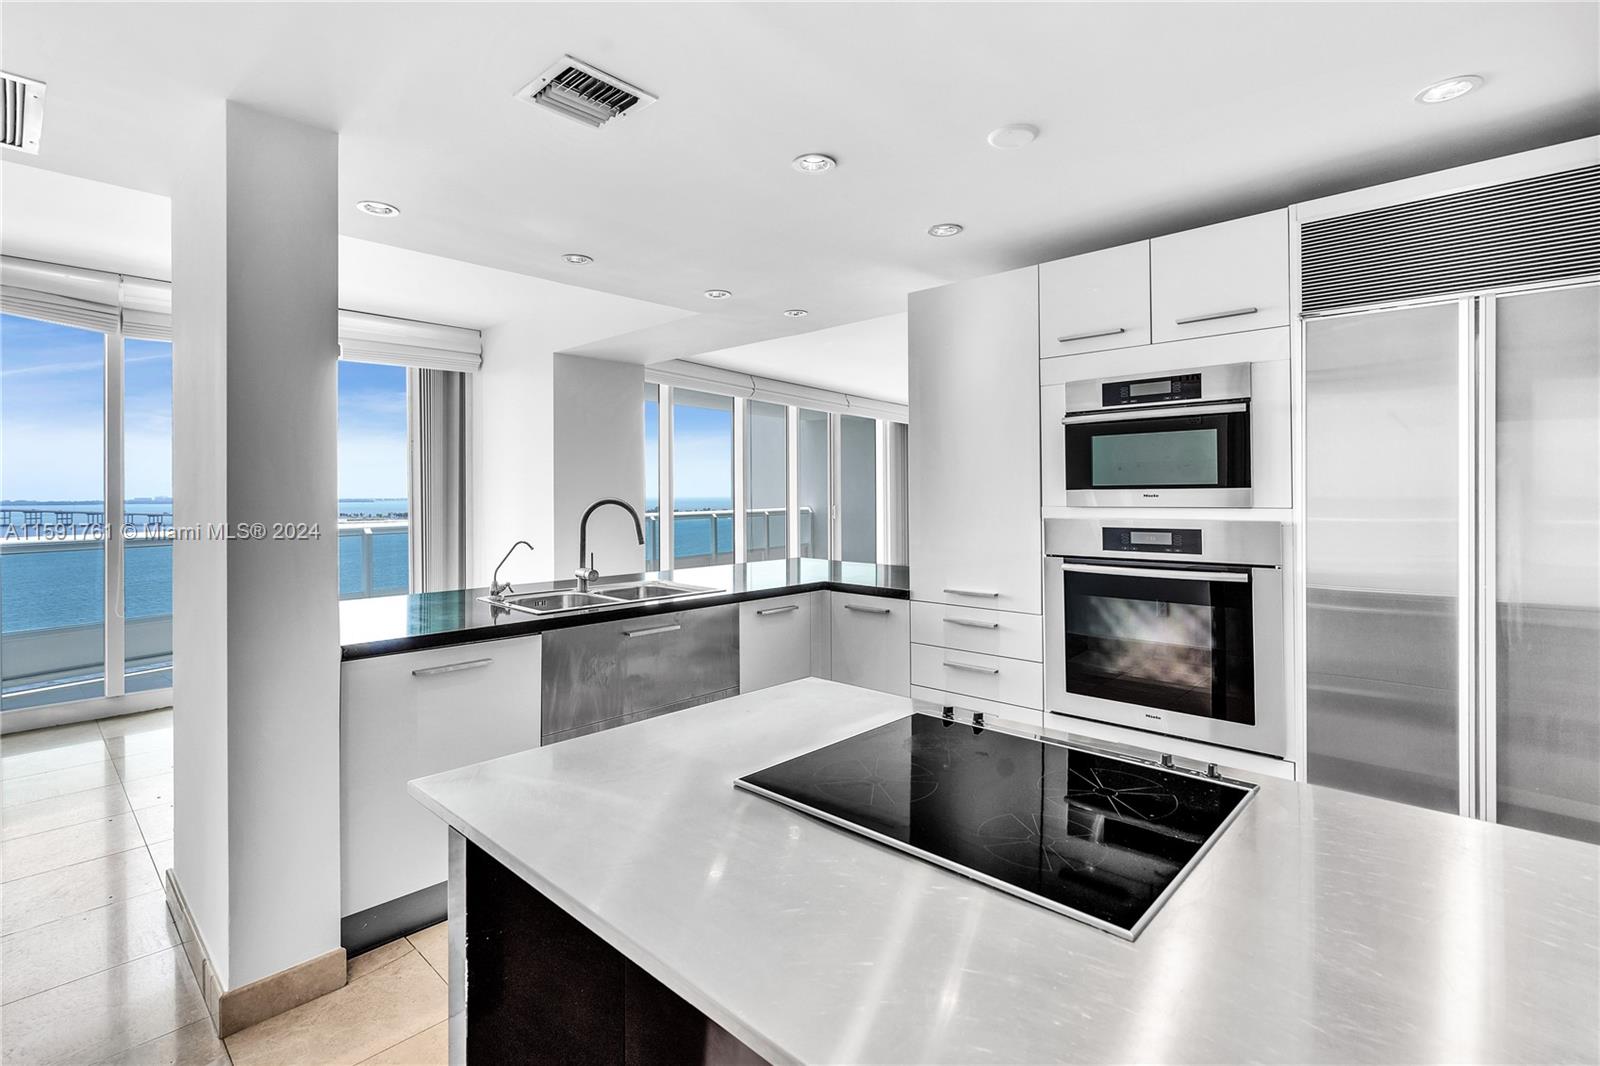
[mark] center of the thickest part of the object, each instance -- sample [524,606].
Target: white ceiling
[863,358]
[62,219]
[1154,117]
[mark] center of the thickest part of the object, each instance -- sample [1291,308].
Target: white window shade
[681,373]
[365,338]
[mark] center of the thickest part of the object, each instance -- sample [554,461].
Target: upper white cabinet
[1225,278]
[1095,302]
[974,447]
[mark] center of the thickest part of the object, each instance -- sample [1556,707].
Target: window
[814,504]
[374,481]
[52,508]
[702,478]
[858,489]
[766,476]
[652,477]
[807,483]
[147,514]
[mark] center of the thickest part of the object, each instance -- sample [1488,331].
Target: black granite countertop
[387,625]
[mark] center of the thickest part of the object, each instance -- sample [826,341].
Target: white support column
[111,531]
[792,426]
[256,620]
[664,483]
[741,530]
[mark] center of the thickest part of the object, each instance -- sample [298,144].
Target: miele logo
[1153,717]
[1151,495]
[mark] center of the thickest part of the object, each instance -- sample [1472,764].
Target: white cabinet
[774,641]
[410,715]
[974,446]
[872,642]
[1095,302]
[970,673]
[1016,636]
[1225,278]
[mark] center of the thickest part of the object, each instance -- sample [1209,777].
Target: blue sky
[372,432]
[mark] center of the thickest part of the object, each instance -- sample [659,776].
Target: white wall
[256,633]
[599,452]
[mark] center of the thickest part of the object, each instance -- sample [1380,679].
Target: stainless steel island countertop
[1323,926]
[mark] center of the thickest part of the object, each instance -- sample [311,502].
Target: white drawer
[988,677]
[965,705]
[1016,636]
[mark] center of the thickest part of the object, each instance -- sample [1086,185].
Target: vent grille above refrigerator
[583,93]
[23,102]
[1518,233]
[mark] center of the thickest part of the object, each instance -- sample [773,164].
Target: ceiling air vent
[24,112]
[586,94]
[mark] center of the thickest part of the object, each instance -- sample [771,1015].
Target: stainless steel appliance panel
[1384,455]
[1545,771]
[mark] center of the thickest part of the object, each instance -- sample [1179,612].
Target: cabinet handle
[651,631]
[865,610]
[451,668]
[974,592]
[971,669]
[1237,312]
[1091,335]
[970,624]
[780,610]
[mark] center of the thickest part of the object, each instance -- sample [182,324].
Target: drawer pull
[1091,335]
[970,624]
[865,610]
[652,631]
[780,610]
[971,669]
[1237,312]
[451,668]
[974,592]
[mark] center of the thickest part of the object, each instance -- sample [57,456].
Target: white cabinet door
[410,715]
[872,642]
[1226,278]
[1095,302]
[974,447]
[774,641]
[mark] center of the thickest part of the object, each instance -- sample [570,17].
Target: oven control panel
[1169,541]
[1150,390]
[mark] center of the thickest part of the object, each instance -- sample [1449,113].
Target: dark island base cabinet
[530,983]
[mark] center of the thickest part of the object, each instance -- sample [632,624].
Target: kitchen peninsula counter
[389,625]
[1323,926]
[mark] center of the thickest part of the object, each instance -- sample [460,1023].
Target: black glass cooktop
[1090,835]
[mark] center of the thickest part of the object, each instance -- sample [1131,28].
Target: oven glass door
[1189,450]
[1181,643]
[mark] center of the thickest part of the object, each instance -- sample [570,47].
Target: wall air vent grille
[584,94]
[23,101]
[1517,233]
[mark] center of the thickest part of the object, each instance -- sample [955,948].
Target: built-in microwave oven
[1171,440]
[1176,628]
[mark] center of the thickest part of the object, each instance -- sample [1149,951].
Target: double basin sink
[560,600]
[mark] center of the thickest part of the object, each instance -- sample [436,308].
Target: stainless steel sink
[650,590]
[550,602]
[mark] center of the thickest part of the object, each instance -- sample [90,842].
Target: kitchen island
[1322,927]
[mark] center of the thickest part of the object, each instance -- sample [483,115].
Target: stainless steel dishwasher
[612,673]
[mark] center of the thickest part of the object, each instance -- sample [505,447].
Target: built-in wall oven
[1174,627]
[1177,439]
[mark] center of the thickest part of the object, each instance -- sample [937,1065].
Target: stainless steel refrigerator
[1452,547]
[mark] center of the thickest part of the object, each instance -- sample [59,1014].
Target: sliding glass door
[766,479]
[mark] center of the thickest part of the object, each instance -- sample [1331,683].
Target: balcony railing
[705,537]
[374,557]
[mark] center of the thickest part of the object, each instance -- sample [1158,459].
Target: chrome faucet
[586,571]
[495,587]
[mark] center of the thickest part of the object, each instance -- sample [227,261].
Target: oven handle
[1171,411]
[1139,571]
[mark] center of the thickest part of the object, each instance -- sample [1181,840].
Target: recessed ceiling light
[1018,136]
[944,229]
[1449,89]
[814,163]
[796,312]
[377,208]
[578,258]
[717,294]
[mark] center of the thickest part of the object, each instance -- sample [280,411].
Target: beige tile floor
[91,966]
